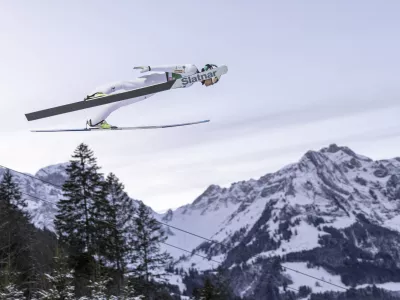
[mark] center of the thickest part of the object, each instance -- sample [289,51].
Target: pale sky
[302,75]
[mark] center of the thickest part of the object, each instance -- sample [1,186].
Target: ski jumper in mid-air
[160,74]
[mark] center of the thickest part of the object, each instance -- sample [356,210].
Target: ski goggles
[213,80]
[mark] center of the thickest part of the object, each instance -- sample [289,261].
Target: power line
[137,218]
[315,278]
[191,252]
[47,201]
[170,245]
[34,177]
[220,262]
[199,236]
[60,187]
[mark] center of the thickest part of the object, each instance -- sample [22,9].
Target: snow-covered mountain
[35,191]
[332,187]
[334,215]
[334,210]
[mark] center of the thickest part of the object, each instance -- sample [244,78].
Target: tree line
[105,245]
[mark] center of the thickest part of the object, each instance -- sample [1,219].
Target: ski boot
[94,96]
[102,125]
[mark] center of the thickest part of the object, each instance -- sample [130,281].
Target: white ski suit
[161,74]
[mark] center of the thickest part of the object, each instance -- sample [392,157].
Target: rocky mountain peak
[333,208]
[168,216]
[54,174]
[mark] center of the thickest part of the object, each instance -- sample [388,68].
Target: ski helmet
[208,67]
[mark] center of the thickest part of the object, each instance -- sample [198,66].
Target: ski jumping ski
[122,128]
[152,89]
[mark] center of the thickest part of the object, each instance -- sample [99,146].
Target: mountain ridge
[331,203]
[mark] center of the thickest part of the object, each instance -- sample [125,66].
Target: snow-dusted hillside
[35,191]
[285,213]
[333,214]
[42,192]
[333,184]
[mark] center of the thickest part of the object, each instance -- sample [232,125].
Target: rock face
[54,174]
[334,214]
[35,191]
[334,210]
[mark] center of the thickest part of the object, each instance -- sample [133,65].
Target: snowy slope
[34,190]
[285,212]
[332,203]
[208,212]
[334,184]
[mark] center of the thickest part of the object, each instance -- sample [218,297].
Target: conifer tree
[16,238]
[81,222]
[222,285]
[10,194]
[98,289]
[60,280]
[129,293]
[8,273]
[208,292]
[215,287]
[11,292]
[147,259]
[75,222]
[121,215]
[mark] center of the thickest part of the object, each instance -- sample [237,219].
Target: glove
[214,80]
[143,68]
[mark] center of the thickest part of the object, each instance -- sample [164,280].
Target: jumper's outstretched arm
[166,68]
